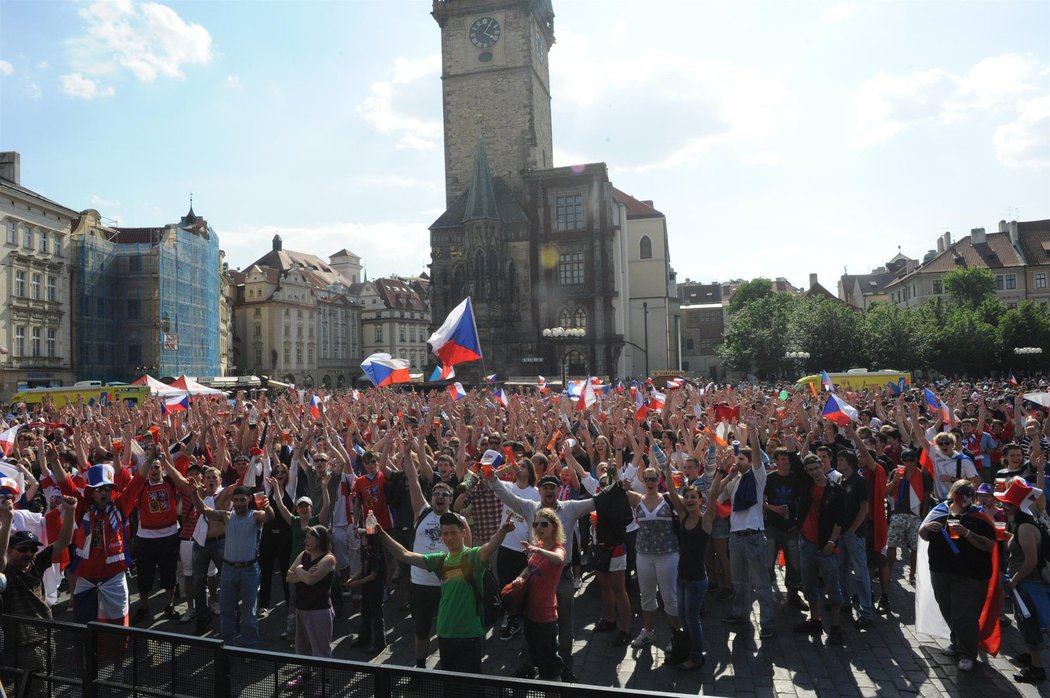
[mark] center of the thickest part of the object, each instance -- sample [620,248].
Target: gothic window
[645,248]
[512,282]
[579,319]
[492,278]
[568,212]
[565,319]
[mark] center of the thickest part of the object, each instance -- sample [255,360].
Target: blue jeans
[239,585]
[815,565]
[691,595]
[211,552]
[854,559]
[750,573]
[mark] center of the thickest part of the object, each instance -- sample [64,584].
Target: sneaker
[646,637]
[767,632]
[862,623]
[950,651]
[621,639]
[965,664]
[883,606]
[810,627]
[262,612]
[1030,674]
[171,614]
[512,627]
[602,625]
[188,616]
[835,635]
[1021,660]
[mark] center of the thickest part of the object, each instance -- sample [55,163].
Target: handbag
[515,594]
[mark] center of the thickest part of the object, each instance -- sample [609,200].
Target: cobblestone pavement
[888,659]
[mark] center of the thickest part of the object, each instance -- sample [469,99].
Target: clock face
[484,32]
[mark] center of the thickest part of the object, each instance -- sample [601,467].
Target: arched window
[579,319]
[512,282]
[565,319]
[459,285]
[492,276]
[575,363]
[645,248]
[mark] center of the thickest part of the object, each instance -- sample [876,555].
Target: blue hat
[100,476]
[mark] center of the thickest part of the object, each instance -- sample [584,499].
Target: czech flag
[456,341]
[675,383]
[456,391]
[500,395]
[442,373]
[640,408]
[619,387]
[935,403]
[7,439]
[383,369]
[587,396]
[1010,378]
[839,411]
[657,400]
[825,380]
[315,407]
[175,403]
[490,378]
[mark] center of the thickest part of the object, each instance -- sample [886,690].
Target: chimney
[812,280]
[1002,226]
[940,244]
[277,245]
[977,236]
[11,166]
[947,239]
[1012,229]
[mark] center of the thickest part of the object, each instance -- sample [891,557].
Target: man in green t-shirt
[459,622]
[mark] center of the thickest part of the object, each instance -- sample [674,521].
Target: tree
[830,331]
[1026,326]
[967,344]
[758,336]
[969,286]
[750,291]
[893,338]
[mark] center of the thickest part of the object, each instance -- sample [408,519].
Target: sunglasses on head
[541,524]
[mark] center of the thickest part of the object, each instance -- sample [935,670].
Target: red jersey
[100,535]
[158,513]
[372,493]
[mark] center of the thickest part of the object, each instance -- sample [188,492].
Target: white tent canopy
[188,385]
[158,388]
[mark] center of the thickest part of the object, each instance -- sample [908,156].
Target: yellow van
[92,395]
[860,378]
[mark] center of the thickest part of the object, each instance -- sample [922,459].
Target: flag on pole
[935,403]
[383,369]
[825,380]
[456,341]
[456,391]
[839,411]
[315,406]
[7,439]
[501,395]
[587,396]
[442,373]
[1010,378]
[491,378]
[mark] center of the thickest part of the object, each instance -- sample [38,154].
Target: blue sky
[779,138]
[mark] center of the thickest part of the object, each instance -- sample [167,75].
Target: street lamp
[800,357]
[564,333]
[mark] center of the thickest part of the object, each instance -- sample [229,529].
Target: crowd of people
[668,497]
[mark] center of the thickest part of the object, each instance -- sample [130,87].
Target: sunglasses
[541,524]
[651,479]
[965,491]
[442,493]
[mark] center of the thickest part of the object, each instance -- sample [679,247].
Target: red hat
[256,451]
[1016,493]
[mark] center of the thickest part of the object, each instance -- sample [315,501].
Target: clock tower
[495,86]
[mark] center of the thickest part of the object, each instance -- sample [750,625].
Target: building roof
[29,193]
[318,272]
[997,252]
[816,290]
[344,253]
[635,208]
[1034,239]
[510,211]
[481,196]
[870,284]
[398,295]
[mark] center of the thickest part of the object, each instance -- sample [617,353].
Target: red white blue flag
[383,369]
[456,341]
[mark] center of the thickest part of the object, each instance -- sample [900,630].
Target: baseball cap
[19,538]
[550,480]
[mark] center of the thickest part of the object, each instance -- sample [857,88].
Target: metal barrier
[100,660]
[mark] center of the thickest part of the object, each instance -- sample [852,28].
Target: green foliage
[757,337]
[969,286]
[749,292]
[829,330]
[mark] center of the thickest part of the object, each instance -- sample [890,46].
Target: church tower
[495,86]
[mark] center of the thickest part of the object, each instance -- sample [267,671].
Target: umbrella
[1038,398]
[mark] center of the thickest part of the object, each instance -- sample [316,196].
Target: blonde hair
[549,514]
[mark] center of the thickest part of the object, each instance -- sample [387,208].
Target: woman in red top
[546,553]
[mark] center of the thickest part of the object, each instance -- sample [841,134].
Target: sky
[778,138]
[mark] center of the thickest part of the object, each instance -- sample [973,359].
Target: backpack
[487,598]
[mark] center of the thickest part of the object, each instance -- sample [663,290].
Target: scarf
[746,495]
[113,547]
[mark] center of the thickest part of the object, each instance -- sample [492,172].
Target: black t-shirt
[970,562]
[1027,472]
[692,548]
[855,490]
[781,490]
[614,514]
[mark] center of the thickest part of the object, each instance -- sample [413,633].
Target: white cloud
[97,200]
[42,65]
[149,40]
[6,68]
[1026,141]
[76,85]
[888,104]
[382,109]
[233,80]
[764,157]
[386,247]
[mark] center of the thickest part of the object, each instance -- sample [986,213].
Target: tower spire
[481,197]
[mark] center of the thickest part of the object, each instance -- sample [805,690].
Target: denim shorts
[720,528]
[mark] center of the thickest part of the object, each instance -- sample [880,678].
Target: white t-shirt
[427,540]
[522,528]
[750,518]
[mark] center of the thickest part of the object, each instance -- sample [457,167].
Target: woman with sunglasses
[657,556]
[961,537]
[546,557]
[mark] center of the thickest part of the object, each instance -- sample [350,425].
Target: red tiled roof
[635,208]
